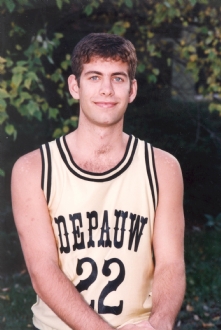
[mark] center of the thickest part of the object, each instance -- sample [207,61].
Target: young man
[102,242]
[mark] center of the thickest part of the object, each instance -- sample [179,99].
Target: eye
[118,79]
[94,78]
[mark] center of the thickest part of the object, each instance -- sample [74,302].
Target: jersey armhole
[42,168]
[151,173]
[46,171]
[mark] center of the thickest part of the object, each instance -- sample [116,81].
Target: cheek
[85,94]
[124,92]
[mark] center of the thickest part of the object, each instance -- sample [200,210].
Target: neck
[98,149]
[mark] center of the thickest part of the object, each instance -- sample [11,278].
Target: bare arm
[39,248]
[169,276]
[168,243]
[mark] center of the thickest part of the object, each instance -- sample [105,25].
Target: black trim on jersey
[149,174]
[103,173]
[43,169]
[49,172]
[95,179]
[155,172]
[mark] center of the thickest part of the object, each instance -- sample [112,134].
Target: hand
[144,325]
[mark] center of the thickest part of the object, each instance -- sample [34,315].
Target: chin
[110,123]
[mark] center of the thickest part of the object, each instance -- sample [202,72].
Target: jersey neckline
[97,177]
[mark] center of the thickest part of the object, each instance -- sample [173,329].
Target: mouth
[105,105]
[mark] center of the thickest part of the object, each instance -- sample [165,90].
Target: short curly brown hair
[103,45]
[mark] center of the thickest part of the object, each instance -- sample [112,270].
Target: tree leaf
[2,173]
[128,3]
[59,3]
[3,93]
[10,5]
[57,133]
[38,115]
[209,217]
[32,75]
[25,96]
[17,79]
[204,29]
[191,48]
[50,59]
[156,71]
[167,4]
[32,107]
[53,112]
[65,129]
[193,2]
[152,78]
[71,101]
[169,61]
[215,106]
[21,63]
[18,69]
[27,83]
[65,65]
[118,28]
[58,35]
[2,60]
[88,10]
[44,106]
[3,105]
[141,67]
[9,62]
[3,117]
[9,129]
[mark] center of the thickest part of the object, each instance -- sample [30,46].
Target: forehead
[105,65]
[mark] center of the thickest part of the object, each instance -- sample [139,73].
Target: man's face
[104,92]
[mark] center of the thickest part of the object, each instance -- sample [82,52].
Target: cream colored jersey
[103,225]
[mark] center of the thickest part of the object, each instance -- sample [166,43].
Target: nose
[106,87]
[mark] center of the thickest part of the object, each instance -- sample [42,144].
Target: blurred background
[178,109]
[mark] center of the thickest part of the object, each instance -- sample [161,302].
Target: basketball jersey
[103,226]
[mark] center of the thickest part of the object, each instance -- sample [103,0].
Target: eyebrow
[120,73]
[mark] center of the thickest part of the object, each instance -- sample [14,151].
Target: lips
[105,104]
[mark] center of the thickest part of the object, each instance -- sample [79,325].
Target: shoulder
[168,168]
[27,167]
[165,159]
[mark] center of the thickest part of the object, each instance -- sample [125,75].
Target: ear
[73,87]
[133,91]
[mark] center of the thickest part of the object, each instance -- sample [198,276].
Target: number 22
[111,285]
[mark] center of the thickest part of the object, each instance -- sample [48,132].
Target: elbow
[41,275]
[172,271]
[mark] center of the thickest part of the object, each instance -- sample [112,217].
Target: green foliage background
[174,39]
